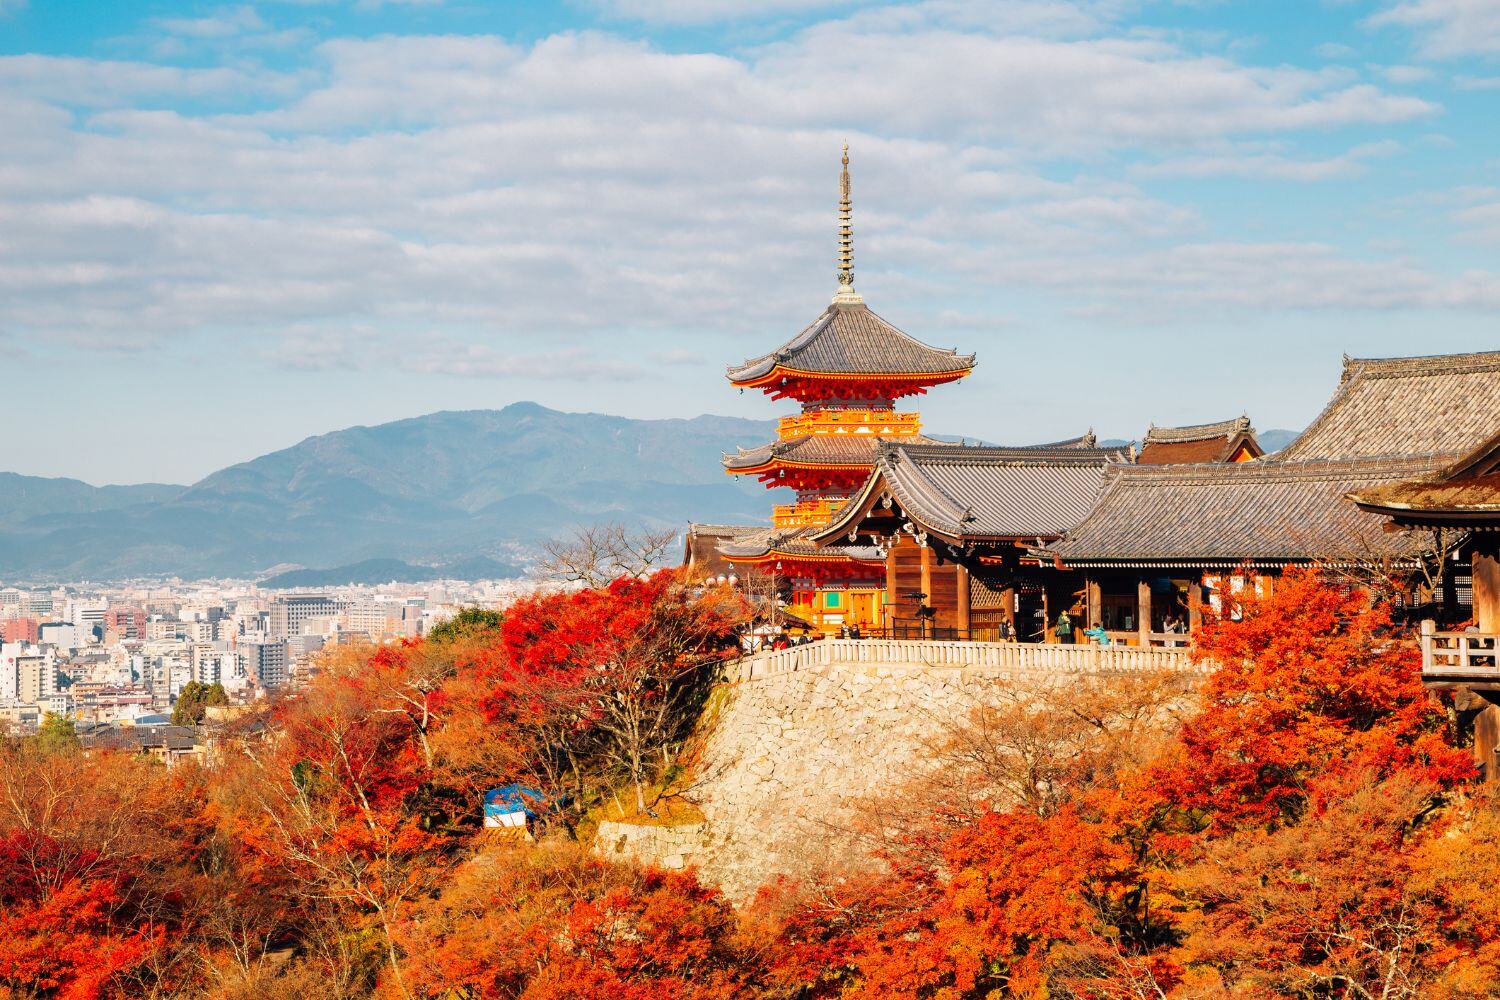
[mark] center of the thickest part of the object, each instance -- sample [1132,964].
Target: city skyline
[230,227]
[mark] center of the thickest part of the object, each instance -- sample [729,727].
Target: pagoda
[847,370]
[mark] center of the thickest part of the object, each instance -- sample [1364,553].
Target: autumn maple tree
[1300,824]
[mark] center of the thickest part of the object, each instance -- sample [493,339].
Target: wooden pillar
[961,617]
[1487,741]
[1487,583]
[1008,608]
[1094,602]
[1195,605]
[1143,612]
[927,561]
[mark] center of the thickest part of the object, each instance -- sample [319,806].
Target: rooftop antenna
[846,291]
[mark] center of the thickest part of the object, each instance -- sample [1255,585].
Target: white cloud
[1259,278]
[363,348]
[224,23]
[497,196]
[711,11]
[99,83]
[1447,28]
[1480,222]
[1261,165]
[1405,75]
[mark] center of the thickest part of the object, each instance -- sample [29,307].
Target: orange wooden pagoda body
[847,370]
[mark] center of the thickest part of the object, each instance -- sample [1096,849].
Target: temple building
[1226,441]
[1166,540]
[847,370]
[1457,512]
[955,525]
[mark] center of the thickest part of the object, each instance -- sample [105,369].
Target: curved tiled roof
[1442,405]
[1261,512]
[849,338]
[1466,492]
[794,543]
[1031,492]
[702,541]
[851,449]
[1216,442]
[1479,495]
[1198,432]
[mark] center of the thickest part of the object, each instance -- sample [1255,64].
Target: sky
[226,227]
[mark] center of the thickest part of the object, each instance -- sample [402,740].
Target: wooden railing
[998,656]
[1459,655]
[805,513]
[1132,638]
[887,423]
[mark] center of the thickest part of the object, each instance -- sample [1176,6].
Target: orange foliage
[1312,680]
[1294,839]
[1307,831]
[554,923]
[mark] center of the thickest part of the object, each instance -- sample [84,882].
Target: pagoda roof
[1441,405]
[1215,442]
[1466,493]
[1261,513]
[830,450]
[850,339]
[983,493]
[793,544]
[701,544]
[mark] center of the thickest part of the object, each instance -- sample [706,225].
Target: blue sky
[226,227]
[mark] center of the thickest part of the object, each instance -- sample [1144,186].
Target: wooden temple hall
[885,530]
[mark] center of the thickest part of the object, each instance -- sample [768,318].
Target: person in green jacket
[1064,628]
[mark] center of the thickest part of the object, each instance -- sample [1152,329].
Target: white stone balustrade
[1040,658]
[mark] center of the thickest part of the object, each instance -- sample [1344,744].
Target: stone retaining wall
[791,755]
[674,847]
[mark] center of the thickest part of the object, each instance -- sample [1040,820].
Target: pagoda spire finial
[846,291]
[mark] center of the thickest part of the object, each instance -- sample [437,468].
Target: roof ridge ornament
[846,292]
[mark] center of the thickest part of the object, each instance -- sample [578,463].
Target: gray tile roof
[1030,492]
[852,449]
[847,338]
[794,541]
[1197,432]
[723,530]
[1221,515]
[1443,405]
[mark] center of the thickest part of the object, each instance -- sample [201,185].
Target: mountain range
[430,490]
[453,492]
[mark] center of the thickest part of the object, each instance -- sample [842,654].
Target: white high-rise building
[9,652]
[86,615]
[265,661]
[221,666]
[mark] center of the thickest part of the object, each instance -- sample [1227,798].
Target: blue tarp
[512,799]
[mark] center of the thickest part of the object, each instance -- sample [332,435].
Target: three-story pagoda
[847,370]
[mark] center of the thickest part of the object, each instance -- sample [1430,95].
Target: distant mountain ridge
[422,495]
[26,497]
[428,490]
[376,571]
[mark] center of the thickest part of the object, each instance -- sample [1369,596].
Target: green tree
[467,624]
[193,701]
[56,734]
